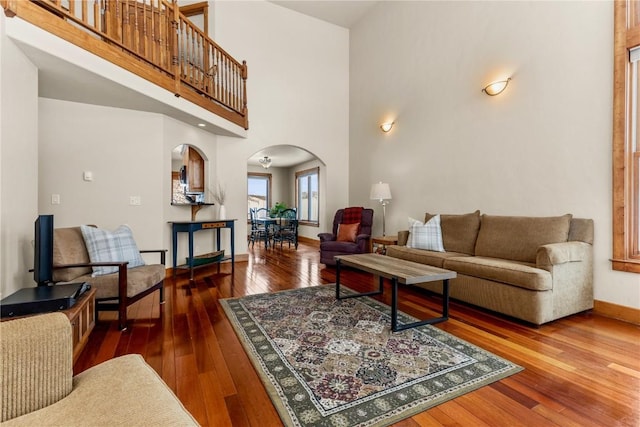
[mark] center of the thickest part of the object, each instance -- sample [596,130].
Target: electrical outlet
[135,200]
[55,199]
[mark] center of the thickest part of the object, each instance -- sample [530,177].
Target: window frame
[263,175]
[626,253]
[298,174]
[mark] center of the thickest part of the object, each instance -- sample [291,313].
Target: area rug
[328,362]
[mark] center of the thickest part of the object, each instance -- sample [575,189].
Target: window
[307,196]
[626,153]
[259,191]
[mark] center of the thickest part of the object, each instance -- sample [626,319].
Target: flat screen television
[43,250]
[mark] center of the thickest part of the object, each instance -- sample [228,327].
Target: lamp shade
[380,191]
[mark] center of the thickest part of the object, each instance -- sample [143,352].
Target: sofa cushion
[425,236]
[69,248]
[422,256]
[517,237]
[459,232]
[520,274]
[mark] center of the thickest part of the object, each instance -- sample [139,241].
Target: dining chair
[287,228]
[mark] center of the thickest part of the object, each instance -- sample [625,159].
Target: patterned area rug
[326,362]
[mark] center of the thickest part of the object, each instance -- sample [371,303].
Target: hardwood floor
[579,371]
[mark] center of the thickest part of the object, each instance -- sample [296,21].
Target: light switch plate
[135,200]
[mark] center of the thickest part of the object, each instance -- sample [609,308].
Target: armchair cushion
[139,279]
[348,232]
[69,248]
[109,246]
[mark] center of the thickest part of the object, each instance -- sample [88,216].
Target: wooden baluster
[192,56]
[200,62]
[136,28]
[154,36]
[176,38]
[245,73]
[72,8]
[97,22]
[85,17]
[145,34]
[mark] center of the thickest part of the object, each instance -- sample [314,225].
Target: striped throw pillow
[111,246]
[425,236]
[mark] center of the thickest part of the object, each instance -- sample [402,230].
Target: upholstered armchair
[350,234]
[37,386]
[115,291]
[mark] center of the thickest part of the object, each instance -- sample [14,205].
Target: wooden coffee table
[399,271]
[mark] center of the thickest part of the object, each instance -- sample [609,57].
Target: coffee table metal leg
[364,294]
[431,321]
[337,279]
[394,305]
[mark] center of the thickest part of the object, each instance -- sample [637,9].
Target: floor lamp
[381,192]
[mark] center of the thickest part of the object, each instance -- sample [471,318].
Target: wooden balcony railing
[152,39]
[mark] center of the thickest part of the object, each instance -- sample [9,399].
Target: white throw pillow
[111,246]
[425,236]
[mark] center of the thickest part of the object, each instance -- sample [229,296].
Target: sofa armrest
[561,253]
[37,367]
[403,236]
[326,237]
[162,252]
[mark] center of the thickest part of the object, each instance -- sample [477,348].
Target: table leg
[431,321]
[191,255]
[174,235]
[363,294]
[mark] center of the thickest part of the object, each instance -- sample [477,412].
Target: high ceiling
[343,13]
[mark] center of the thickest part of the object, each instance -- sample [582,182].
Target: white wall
[298,91]
[123,150]
[18,164]
[543,147]
[129,154]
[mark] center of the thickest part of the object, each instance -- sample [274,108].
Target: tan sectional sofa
[537,269]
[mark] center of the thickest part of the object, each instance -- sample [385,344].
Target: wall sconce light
[386,127]
[496,88]
[265,162]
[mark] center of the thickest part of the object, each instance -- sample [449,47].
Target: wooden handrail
[169,49]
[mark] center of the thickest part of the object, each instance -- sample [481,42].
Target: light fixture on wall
[496,88]
[265,162]
[381,192]
[386,127]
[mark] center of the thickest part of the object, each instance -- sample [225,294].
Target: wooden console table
[191,227]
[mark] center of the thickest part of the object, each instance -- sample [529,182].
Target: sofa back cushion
[459,232]
[518,237]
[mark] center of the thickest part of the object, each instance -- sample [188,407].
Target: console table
[191,227]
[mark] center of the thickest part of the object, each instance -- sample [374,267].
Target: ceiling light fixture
[265,162]
[496,88]
[386,127]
